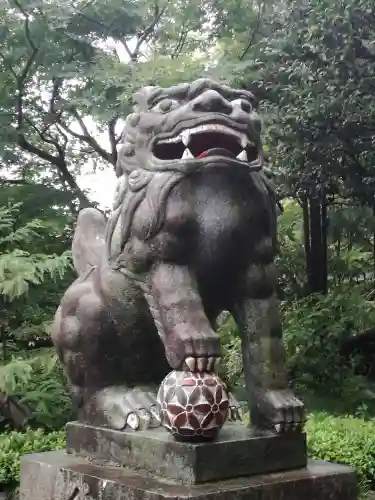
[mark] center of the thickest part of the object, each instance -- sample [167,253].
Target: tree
[69,71]
[312,63]
[24,264]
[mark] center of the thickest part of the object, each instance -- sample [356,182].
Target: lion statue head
[172,132]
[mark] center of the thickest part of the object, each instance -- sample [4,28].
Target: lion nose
[210,100]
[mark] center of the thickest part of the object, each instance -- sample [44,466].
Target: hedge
[346,440]
[13,445]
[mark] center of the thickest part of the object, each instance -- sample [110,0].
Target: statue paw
[201,363]
[282,411]
[124,408]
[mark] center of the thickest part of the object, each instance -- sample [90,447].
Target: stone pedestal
[150,465]
[237,452]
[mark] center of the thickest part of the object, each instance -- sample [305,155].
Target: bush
[40,381]
[346,440]
[14,445]
[314,330]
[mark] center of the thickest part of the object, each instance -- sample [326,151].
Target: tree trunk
[306,236]
[315,238]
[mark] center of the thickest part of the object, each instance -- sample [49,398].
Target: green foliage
[231,367]
[346,440]
[314,66]
[291,263]
[349,247]
[19,268]
[13,445]
[314,329]
[25,265]
[40,381]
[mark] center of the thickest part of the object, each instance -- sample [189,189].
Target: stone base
[58,476]
[238,451]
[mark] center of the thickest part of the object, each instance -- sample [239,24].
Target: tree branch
[147,32]
[127,50]
[261,9]
[113,139]
[59,161]
[16,182]
[27,25]
[88,138]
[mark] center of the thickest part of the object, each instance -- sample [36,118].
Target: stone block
[58,476]
[238,451]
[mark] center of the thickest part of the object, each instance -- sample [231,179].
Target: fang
[187,154]
[242,156]
[185,135]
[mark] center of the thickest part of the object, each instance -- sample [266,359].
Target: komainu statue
[192,233]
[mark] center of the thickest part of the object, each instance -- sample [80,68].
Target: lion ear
[145,95]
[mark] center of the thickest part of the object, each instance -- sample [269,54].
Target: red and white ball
[194,406]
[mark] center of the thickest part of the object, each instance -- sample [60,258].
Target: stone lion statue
[192,233]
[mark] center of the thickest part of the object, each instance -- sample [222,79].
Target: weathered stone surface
[57,476]
[238,451]
[192,233]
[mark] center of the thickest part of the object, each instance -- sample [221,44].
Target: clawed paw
[283,411]
[124,408]
[202,364]
[144,418]
[284,427]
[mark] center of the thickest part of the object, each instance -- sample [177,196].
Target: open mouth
[206,140]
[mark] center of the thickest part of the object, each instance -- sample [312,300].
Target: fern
[15,376]
[42,385]
[19,269]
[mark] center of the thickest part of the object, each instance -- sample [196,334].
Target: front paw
[281,411]
[123,408]
[201,364]
[194,351]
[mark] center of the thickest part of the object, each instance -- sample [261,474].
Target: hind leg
[271,402]
[95,348]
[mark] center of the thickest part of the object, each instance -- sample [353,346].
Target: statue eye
[166,105]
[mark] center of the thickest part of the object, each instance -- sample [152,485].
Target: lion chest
[213,221]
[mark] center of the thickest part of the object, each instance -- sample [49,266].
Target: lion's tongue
[216,152]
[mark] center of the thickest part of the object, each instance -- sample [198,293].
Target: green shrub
[314,329]
[13,445]
[231,367]
[346,440]
[40,381]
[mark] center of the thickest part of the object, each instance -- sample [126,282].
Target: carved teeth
[170,139]
[187,154]
[185,135]
[242,156]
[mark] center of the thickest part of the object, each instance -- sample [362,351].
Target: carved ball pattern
[193,406]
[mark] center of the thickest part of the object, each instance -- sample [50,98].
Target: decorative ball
[193,406]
